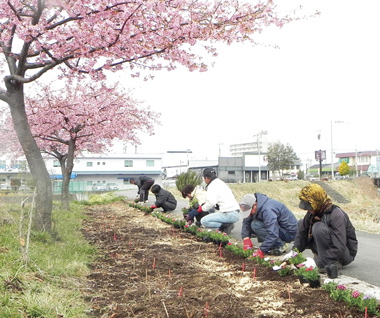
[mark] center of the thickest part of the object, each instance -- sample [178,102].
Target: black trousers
[144,190]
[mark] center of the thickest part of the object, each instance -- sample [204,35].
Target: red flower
[355,294]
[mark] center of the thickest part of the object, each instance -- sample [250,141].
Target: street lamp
[332,148]
[260,134]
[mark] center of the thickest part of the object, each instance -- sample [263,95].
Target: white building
[110,168]
[258,143]
[88,170]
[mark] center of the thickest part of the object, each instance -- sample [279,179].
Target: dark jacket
[165,199]
[141,180]
[342,233]
[274,215]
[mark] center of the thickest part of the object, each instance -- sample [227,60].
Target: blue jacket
[274,215]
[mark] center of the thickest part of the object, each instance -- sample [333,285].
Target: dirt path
[146,268]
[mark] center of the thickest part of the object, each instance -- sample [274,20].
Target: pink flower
[341,287]
[229,243]
[187,225]
[355,294]
[309,269]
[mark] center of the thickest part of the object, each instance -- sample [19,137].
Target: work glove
[153,206]
[200,209]
[259,253]
[289,255]
[308,263]
[247,244]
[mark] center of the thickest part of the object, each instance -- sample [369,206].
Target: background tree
[84,117]
[80,37]
[188,178]
[280,157]
[344,169]
[80,117]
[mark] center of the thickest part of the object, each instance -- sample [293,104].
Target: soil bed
[146,268]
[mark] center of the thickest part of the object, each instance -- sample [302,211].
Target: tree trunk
[44,198]
[67,166]
[65,205]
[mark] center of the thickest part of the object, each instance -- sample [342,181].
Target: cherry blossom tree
[80,37]
[84,117]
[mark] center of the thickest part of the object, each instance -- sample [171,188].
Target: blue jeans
[215,220]
[260,230]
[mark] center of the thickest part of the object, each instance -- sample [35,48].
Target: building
[258,143]
[112,168]
[250,167]
[362,162]
[13,173]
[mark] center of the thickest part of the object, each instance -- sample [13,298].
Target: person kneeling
[164,199]
[326,229]
[270,220]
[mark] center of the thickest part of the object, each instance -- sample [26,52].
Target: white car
[111,187]
[98,187]
[292,177]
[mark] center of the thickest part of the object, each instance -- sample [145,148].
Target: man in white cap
[270,220]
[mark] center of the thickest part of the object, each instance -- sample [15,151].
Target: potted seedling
[309,275]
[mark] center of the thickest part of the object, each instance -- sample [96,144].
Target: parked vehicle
[98,187]
[5,187]
[292,177]
[24,188]
[111,187]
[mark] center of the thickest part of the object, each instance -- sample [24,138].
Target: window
[89,163]
[104,163]
[89,183]
[3,164]
[150,163]
[98,163]
[56,163]
[128,163]
[231,172]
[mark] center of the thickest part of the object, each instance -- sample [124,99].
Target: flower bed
[291,266]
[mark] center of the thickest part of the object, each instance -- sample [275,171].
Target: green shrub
[188,178]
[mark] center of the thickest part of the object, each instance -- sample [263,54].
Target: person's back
[270,220]
[164,199]
[270,209]
[219,193]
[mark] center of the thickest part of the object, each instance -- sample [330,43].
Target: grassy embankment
[43,278]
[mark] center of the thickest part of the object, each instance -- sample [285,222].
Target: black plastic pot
[315,283]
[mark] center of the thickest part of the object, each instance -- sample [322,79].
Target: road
[364,267]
